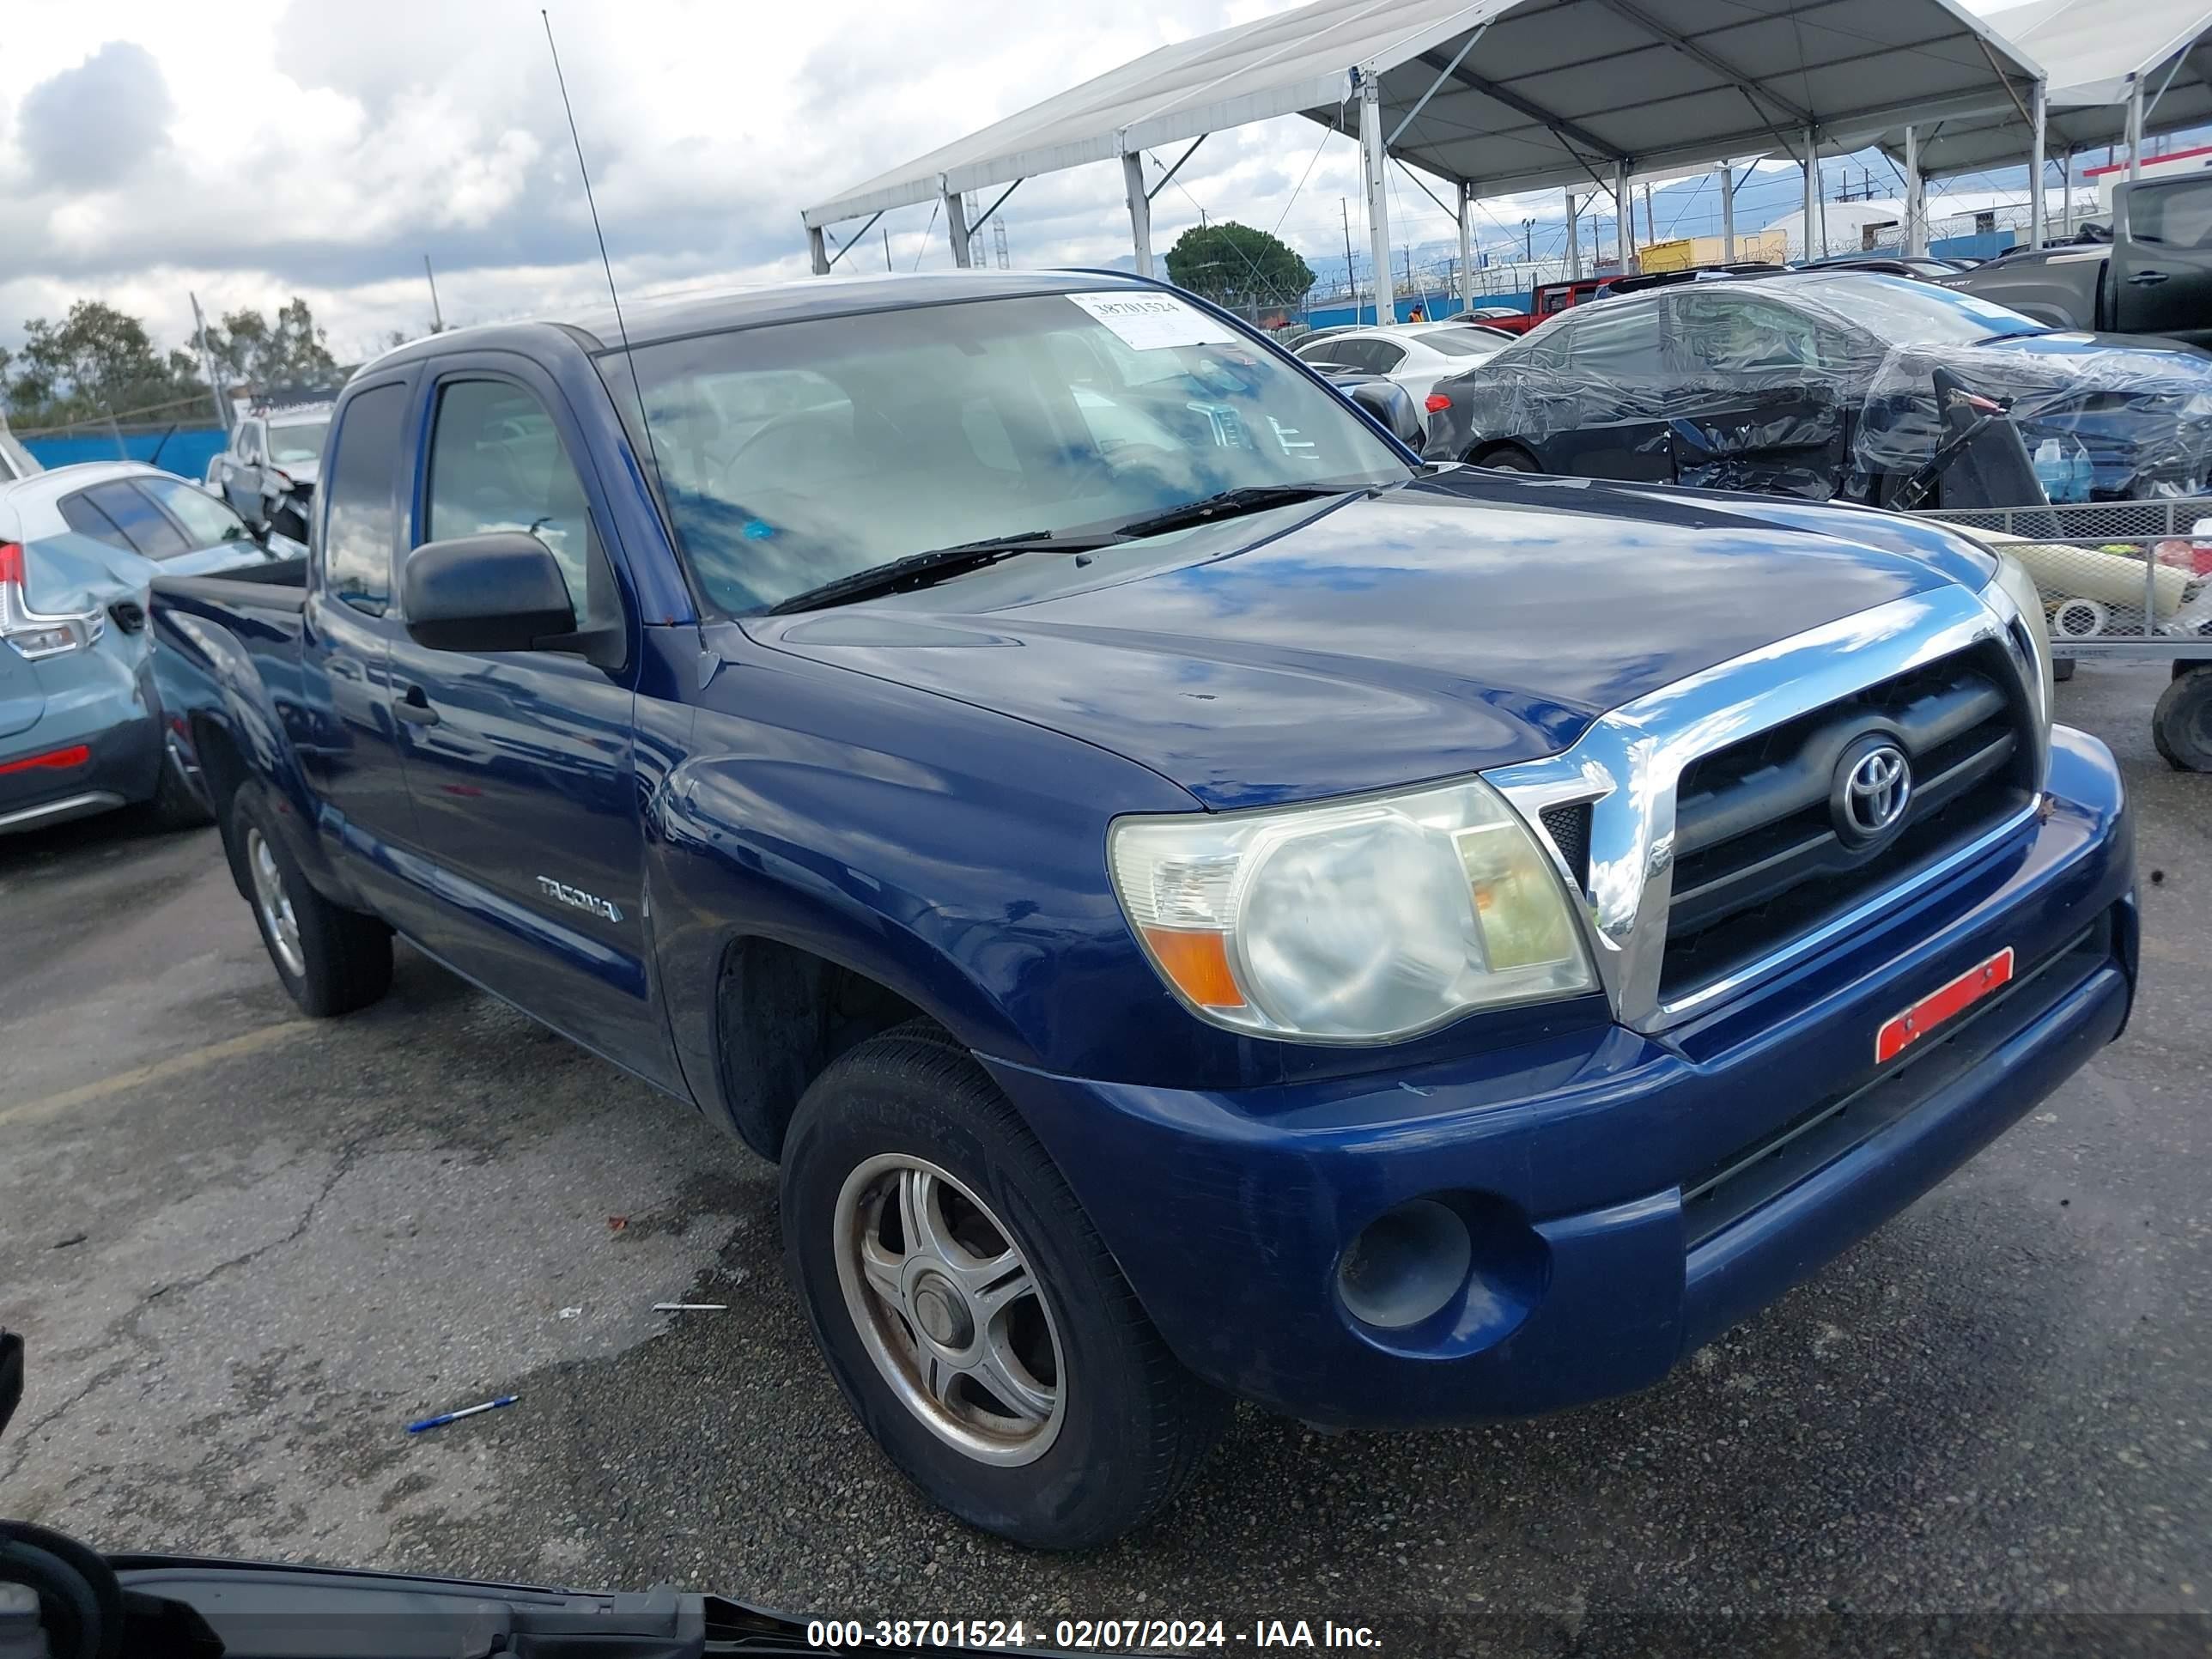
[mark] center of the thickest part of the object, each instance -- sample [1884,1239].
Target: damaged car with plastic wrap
[1825,383]
[1200,905]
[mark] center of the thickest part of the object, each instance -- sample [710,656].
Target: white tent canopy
[1493,96]
[2099,53]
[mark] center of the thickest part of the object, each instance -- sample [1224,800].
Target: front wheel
[973,1318]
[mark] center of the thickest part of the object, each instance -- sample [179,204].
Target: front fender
[951,855]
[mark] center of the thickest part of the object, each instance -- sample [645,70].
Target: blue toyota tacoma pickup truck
[1199,905]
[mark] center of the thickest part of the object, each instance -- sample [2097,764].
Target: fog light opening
[1405,1267]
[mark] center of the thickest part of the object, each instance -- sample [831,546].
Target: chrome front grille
[1760,856]
[1698,812]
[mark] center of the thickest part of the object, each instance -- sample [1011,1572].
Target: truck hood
[1447,626]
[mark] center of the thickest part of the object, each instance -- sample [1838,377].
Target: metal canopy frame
[1497,97]
[2124,71]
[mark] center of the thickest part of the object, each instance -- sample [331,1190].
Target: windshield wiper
[920,569]
[1251,498]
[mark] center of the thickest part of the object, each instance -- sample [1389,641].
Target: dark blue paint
[920,788]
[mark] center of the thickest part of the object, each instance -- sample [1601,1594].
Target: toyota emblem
[1874,781]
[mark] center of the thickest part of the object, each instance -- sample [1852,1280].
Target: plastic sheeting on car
[1777,386]
[2104,422]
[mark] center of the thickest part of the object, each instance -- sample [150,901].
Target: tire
[1119,1426]
[2062,669]
[333,961]
[1506,458]
[174,805]
[2181,725]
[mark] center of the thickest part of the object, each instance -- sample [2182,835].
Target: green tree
[96,360]
[249,349]
[1236,266]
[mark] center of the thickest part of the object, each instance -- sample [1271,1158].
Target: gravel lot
[247,1249]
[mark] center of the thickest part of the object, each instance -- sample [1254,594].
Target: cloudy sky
[266,148]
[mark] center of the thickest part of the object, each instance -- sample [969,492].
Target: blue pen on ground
[444,1418]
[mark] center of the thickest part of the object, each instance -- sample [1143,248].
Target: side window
[497,463]
[207,522]
[1732,335]
[144,525]
[1386,355]
[81,516]
[1615,342]
[359,521]
[1355,354]
[2172,216]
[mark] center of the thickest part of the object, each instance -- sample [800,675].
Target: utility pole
[1727,209]
[207,363]
[887,247]
[1651,221]
[437,316]
[1528,241]
[1351,281]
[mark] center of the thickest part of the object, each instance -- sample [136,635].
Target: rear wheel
[969,1313]
[174,805]
[331,960]
[1506,458]
[2181,725]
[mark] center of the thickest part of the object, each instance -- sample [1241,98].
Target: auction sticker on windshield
[1153,322]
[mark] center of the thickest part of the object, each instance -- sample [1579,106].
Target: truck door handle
[2146,279]
[413,707]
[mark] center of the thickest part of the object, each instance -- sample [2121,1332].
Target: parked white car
[1414,354]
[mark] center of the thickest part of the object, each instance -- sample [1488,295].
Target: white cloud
[324,146]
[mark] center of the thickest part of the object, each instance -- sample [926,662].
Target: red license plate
[1901,1032]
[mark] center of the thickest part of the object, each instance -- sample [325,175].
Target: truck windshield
[795,453]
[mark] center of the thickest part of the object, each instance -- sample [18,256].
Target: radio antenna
[605,263]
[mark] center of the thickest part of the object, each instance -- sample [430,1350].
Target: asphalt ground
[247,1249]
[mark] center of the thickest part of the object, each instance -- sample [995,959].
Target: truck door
[242,473]
[1759,401]
[520,761]
[345,733]
[2162,266]
[1618,372]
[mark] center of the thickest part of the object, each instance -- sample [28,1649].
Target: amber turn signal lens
[1199,965]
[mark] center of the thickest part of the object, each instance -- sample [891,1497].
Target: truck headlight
[1357,921]
[2029,625]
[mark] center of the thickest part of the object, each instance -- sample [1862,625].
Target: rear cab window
[360,517]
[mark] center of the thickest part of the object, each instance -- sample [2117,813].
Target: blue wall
[1333,316]
[186,451]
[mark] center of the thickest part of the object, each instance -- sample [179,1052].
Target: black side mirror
[1392,404]
[500,591]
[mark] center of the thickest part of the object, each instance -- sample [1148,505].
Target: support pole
[1574,241]
[1727,211]
[2039,121]
[207,359]
[1373,150]
[1811,189]
[1140,210]
[1466,249]
[1915,216]
[2066,192]
[1623,220]
[956,225]
[817,250]
[437,316]
[2135,127]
